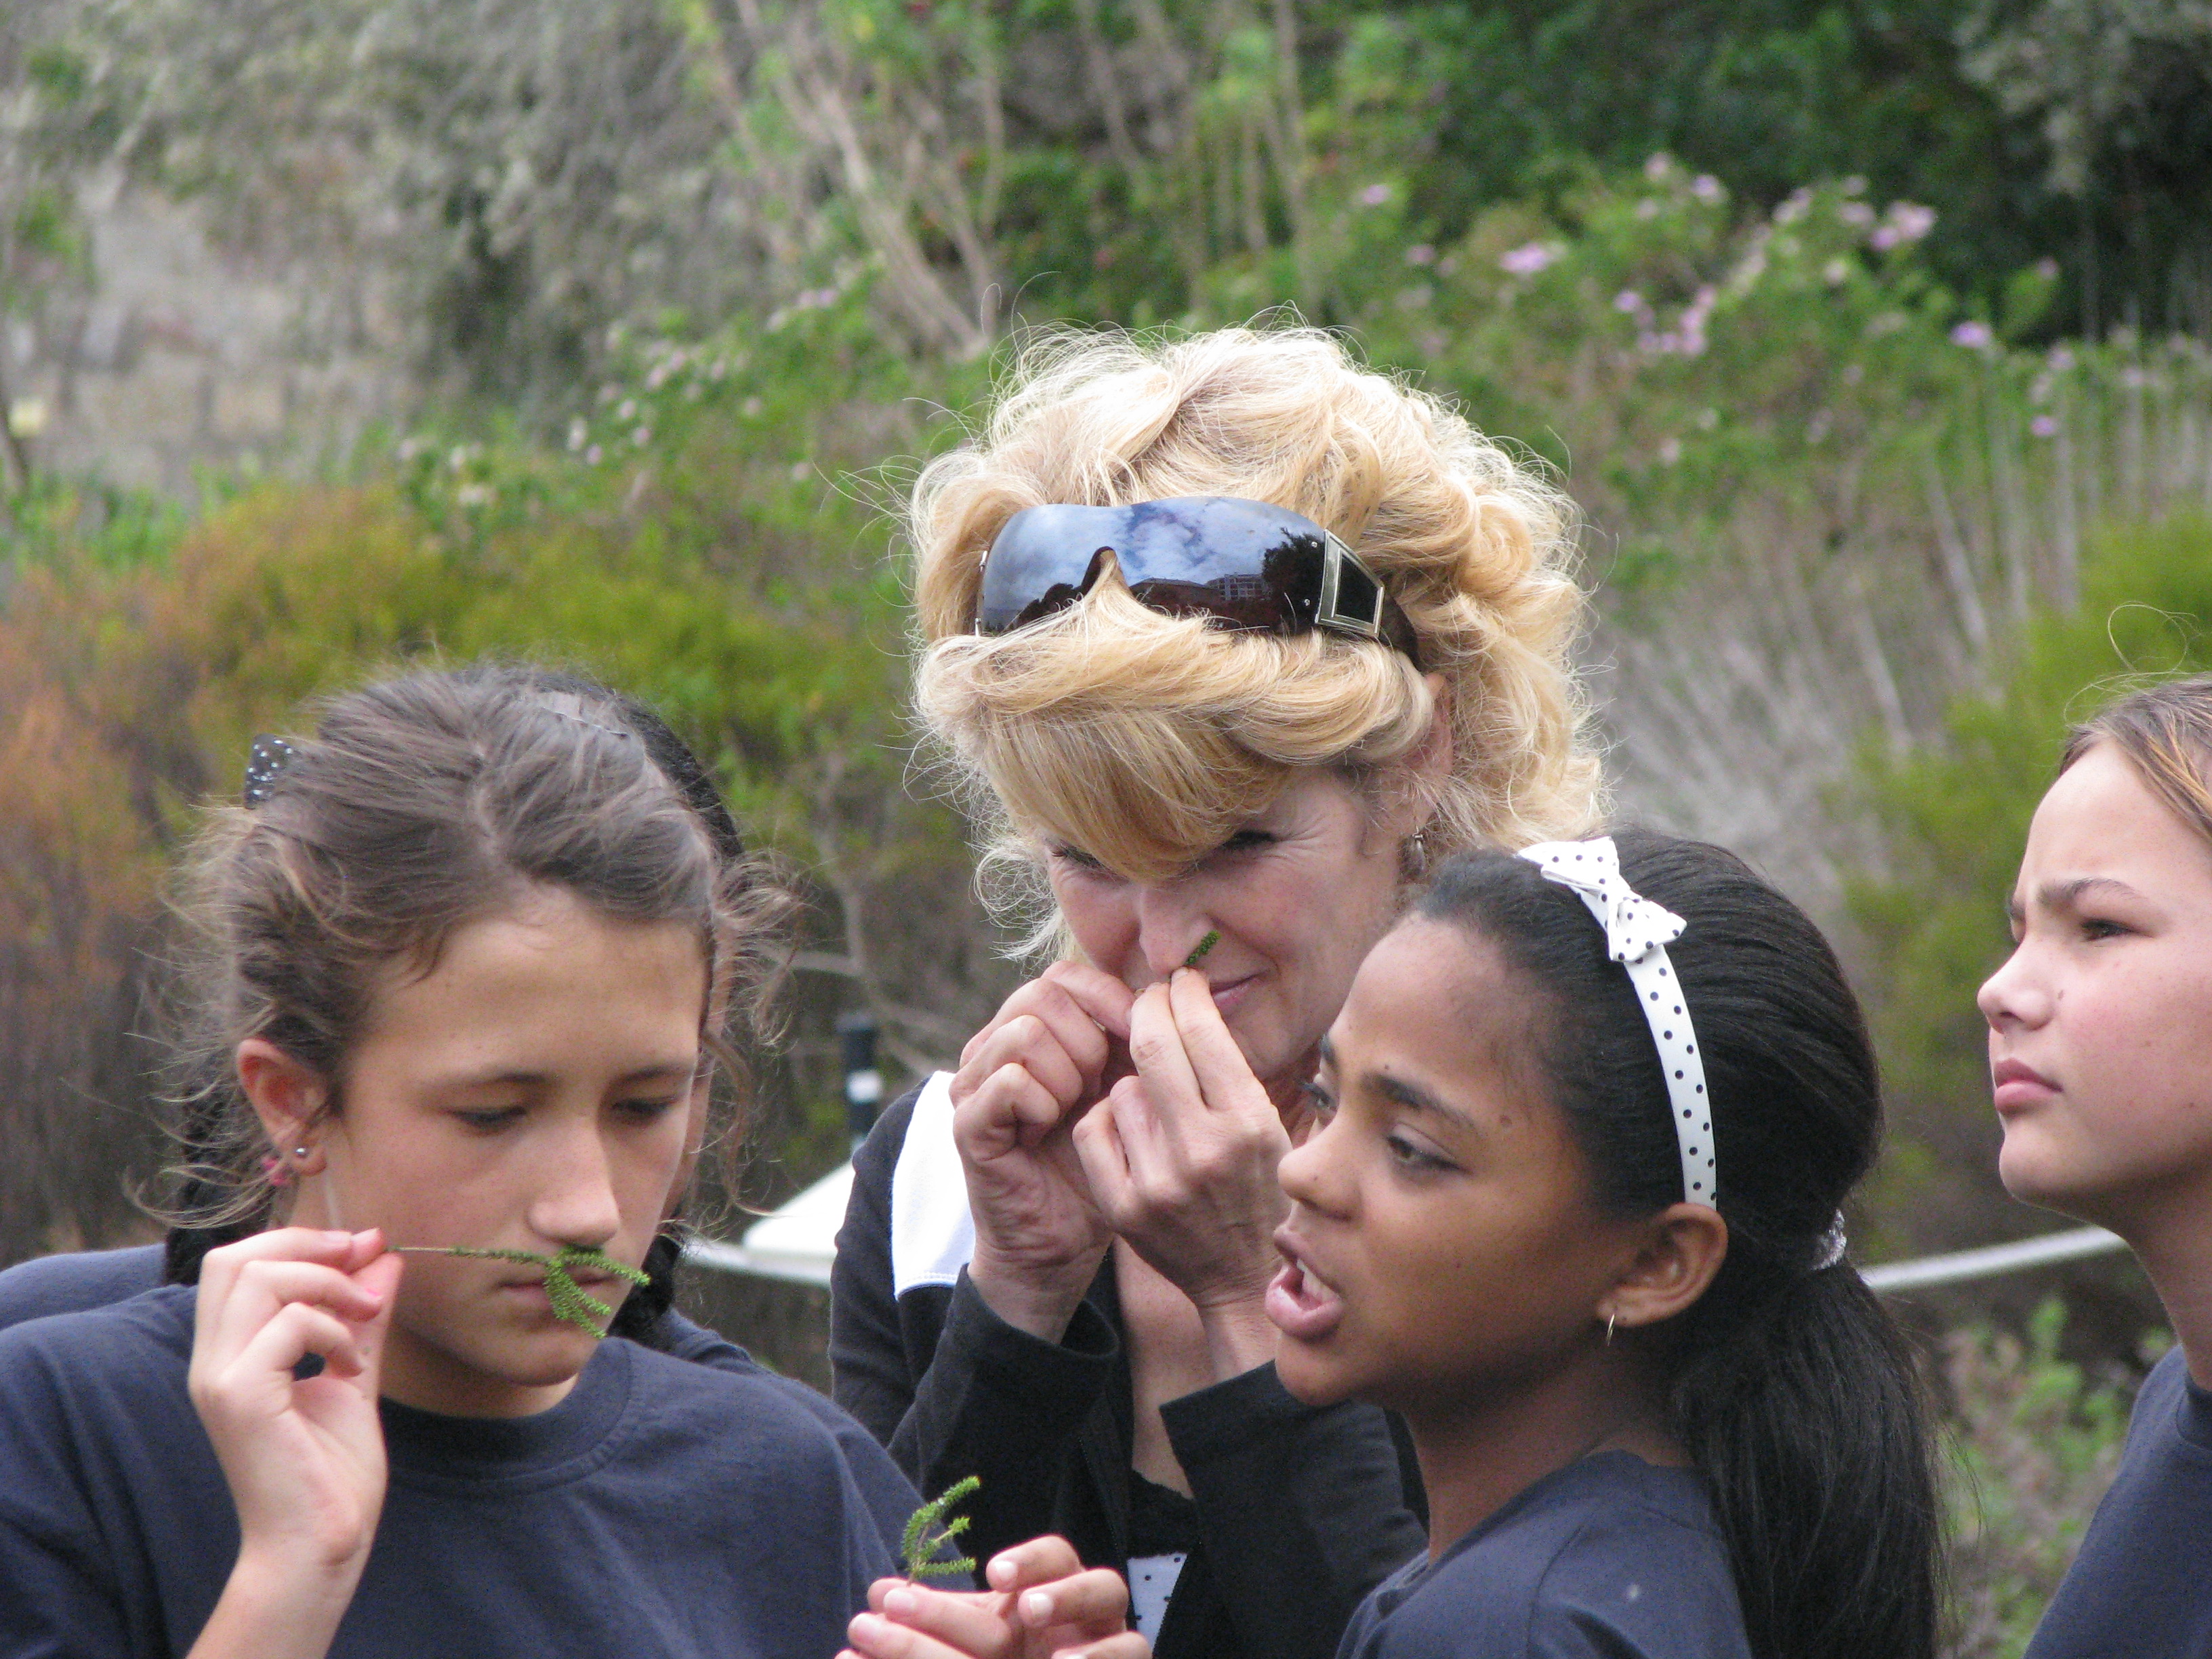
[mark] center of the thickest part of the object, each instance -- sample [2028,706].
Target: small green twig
[925,1536]
[571,1300]
[1212,939]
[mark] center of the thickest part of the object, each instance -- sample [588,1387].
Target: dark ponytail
[1788,1384]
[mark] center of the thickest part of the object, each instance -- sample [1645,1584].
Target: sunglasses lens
[1044,560]
[1246,564]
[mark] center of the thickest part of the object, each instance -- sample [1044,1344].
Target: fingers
[242,1286]
[1012,1108]
[1035,1562]
[1156,1044]
[1042,1600]
[1223,1076]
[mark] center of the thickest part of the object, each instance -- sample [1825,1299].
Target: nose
[1169,924]
[574,1202]
[2014,997]
[1312,1173]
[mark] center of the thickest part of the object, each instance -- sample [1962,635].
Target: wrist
[279,1606]
[1239,1335]
[1037,1297]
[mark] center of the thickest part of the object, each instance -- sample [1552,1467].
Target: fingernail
[1000,1572]
[1036,1606]
[900,1600]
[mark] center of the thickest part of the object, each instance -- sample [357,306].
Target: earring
[1609,1318]
[1414,858]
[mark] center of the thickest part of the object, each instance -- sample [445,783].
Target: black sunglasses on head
[1245,564]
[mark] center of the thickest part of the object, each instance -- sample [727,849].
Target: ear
[1680,1253]
[1431,759]
[288,1096]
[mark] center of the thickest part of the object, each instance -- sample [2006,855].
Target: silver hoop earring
[1609,1318]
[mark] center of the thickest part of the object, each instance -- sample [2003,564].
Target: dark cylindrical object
[864,1084]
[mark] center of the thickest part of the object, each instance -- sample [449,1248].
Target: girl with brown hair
[466,969]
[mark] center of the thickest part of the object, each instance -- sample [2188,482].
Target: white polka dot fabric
[1151,1582]
[1637,934]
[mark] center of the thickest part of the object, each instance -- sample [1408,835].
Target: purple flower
[2045,426]
[1975,337]
[1628,301]
[1658,166]
[1855,213]
[1421,253]
[1911,220]
[1527,260]
[1705,187]
[1885,237]
[1375,195]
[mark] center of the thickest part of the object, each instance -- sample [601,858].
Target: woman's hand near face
[1025,1081]
[304,1458]
[1042,1605]
[1183,1159]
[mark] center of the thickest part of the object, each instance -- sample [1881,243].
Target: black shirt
[2141,1586]
[1610,1558]
[674,1509]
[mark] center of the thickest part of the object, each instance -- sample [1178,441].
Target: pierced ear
[288,1096]
[1680,1254]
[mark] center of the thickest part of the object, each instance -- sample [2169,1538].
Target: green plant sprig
[571,1300]
[925,1536]
[1212,939]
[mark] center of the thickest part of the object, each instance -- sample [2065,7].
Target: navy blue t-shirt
[78,1280]
[2141,1586]
[1610,1558]
[662,1508]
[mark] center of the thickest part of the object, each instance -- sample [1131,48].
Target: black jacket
[1301,1511]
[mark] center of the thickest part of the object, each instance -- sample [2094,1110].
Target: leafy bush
[2033,1441]
[704,545]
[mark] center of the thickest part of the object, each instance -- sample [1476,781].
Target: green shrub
[2033,1441]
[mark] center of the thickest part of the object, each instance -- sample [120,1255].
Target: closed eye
[1076,856]
[488,1119]
[1247,841]
[2096,928]
[647,1110]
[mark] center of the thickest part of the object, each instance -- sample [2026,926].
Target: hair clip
[267,758]
[611,731]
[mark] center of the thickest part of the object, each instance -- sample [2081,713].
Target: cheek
[1101,917]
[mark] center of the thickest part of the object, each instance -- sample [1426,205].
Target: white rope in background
[1992,1259]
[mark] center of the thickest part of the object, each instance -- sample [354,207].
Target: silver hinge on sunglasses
[1331,613]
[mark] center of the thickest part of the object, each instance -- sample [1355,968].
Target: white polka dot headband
[1637,934]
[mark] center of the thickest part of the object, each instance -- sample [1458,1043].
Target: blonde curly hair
[1146,739]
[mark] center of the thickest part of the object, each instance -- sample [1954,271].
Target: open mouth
[1300,1305]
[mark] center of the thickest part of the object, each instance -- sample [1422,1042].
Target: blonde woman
[1233,637]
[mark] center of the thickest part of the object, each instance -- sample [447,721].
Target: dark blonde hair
[419,804]
[2166,732]
[1146,738]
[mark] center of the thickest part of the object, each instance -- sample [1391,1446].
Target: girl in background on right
[2100,1057]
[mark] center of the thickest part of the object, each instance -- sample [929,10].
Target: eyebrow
[2064,894]
[672,1072]
[1412,1096]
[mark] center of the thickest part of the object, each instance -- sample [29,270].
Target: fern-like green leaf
[571,1302]
[927,1531]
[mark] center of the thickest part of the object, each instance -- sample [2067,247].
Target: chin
[1307,1377]
[2034,1172]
